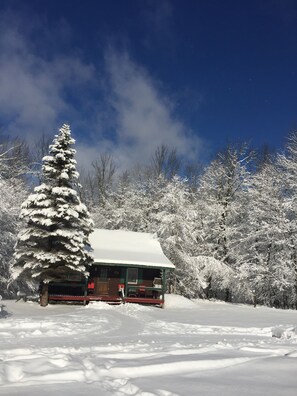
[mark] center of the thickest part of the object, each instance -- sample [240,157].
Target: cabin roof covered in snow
[128,248]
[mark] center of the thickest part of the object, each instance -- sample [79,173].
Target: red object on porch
[121,287]
[141,291]
[91,284]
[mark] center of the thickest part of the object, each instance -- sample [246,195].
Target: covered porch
[129,283]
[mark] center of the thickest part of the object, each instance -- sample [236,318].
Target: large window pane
[132,275]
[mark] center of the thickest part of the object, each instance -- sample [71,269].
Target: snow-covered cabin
[128,267]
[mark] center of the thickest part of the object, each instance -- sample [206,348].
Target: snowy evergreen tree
[54,241]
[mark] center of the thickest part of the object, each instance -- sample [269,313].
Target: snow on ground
[189,348]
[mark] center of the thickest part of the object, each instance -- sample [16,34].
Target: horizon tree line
[229,226]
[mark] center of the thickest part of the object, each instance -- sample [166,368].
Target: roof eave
[139,265]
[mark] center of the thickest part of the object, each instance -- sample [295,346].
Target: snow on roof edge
[128,248]
[134,264]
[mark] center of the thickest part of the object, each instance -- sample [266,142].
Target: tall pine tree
[54,242]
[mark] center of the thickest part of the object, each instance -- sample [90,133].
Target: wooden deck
[108,299]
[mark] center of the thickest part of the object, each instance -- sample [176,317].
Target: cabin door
[102,282]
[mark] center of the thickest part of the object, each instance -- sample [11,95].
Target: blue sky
[129,75]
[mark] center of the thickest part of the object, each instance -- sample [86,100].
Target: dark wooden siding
[68,288]
[103,283]
[116,276]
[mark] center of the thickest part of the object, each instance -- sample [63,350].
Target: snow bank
[171,301]
[283,332]
[176,301]
[98,305]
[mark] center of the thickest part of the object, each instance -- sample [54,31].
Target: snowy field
[189,348]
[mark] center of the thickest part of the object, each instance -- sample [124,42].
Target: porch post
[126,282]
[86,290]
[163,284]
[44,294]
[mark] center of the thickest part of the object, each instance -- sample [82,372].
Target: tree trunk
[227,295]
[208,291]
[44,295]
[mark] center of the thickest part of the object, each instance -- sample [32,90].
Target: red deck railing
[108,299]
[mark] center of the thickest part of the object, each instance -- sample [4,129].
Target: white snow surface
[188,348]
[128,247]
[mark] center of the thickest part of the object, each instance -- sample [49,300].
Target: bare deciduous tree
[165,162]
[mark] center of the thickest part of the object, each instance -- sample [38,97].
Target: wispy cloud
[118,108]
[143,117]
[158,19]
[159,15]
[34,87]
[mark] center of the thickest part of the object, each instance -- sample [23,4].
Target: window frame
[132,282]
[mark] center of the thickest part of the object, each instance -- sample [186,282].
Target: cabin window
[104,273]
[132,275]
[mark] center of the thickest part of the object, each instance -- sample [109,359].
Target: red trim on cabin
[140,300]
[108,299]
[60,297]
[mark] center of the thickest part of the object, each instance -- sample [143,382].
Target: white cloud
[144,118]
[124,112]
[33,86]
[158,20]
